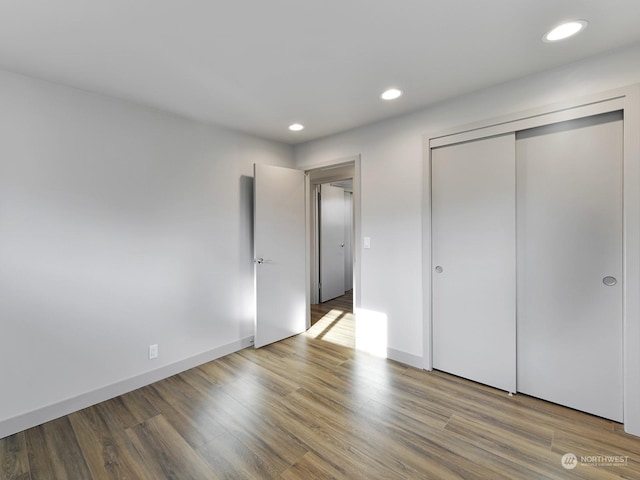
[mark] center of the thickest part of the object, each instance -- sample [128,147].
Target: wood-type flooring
[310,407]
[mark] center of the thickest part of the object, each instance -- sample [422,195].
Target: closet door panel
[569,336]
[473,251]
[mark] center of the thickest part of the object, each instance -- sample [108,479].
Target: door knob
[439,269]
[609,281]
[259,260]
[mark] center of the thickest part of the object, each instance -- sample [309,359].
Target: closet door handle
[439,269]
[609,281]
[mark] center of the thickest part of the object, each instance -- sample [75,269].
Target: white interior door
[348,241]
[473,251]
[332,242]
[569,241]
[279,246]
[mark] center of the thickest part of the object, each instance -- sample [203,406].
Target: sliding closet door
[473,271]
[570,275]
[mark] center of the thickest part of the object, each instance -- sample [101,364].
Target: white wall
[391,176]
[120,226]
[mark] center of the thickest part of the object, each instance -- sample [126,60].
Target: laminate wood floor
[309,408]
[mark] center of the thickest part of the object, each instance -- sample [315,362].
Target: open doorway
[332,227]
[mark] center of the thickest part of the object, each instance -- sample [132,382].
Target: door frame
[626,99]
[312,231]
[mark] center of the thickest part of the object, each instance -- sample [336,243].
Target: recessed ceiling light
[565,30]
[391,94]
[296,127]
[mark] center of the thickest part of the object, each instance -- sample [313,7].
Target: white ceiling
[260,65]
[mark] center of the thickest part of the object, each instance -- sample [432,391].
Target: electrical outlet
[153,351]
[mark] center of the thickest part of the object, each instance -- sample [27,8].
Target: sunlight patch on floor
[336,327]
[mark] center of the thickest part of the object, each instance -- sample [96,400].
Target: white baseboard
[65,407]
[406,358]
